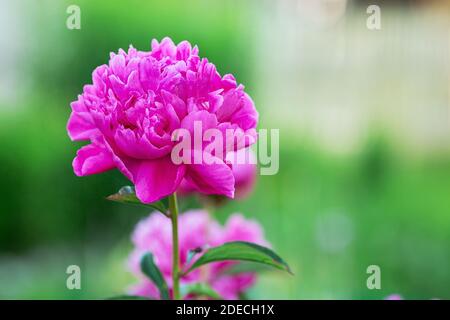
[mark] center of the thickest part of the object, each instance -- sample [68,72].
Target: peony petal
[133,82]
[178,104]
[118,87]
[155,179]
[138,147]
[117,64]
[78,105]
[184,49]
[149,73]
[238,108]
[215,178]
[81,126]
[235,137]
[208,120]
[246,116]
[228,82]
[243,165]
[92,159]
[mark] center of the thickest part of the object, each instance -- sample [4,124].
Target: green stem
[173,208]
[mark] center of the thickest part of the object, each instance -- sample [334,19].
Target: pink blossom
[196,230]
[244,172]
[394,297]
[137,101]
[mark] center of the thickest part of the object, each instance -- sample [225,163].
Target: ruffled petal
[92,159]
[238,108]
[155,179]
[246,116]
[81,126]
[138,147]
[203,117]
[212,177]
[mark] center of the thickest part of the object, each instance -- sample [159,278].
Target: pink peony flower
[136,102]
[196,230]
[244,172]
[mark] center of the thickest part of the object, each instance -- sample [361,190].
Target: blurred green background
[364,153]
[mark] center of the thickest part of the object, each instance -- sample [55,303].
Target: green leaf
[247,266]
[127,195]
[200,289]
[241,250]
[127,297]
[151,270]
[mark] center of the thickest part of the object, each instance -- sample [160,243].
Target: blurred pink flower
[196,230]
[139,99]
[244,172]
[394,297]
